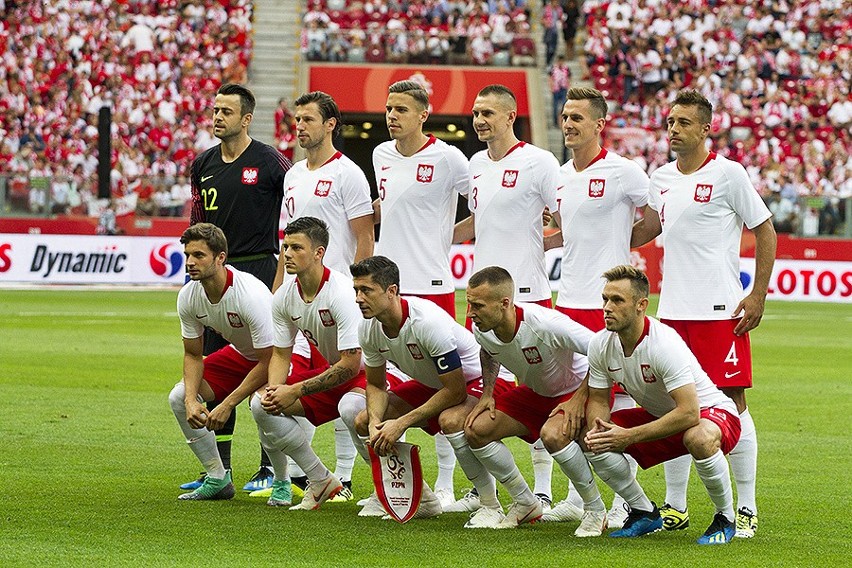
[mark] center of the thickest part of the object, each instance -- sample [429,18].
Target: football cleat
[260,480]
[298,485]
[211,490]
[593,523]
[467,504]
[195,483]
[617,514]
[720,531]
[519,514]
[345,493]
[674,519]
[546,502]
[318,493]
[485,518]
[281,494]
[639,523]
[430,506]
[265,492]
[746,523]
[445,496]
[564,511]
[373,508]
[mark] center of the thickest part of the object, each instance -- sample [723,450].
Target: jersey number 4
[732,355]
[209,197]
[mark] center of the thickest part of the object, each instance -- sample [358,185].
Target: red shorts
[649,454]
[446,302]
[416,394]
[548,303]
[591,319]
[529,408]
[725,357]
[321,407]
[225,369]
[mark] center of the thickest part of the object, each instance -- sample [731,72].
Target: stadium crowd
[778,75]
[768,69]
[156,64]
[419,31]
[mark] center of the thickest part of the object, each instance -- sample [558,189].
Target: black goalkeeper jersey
[242,198]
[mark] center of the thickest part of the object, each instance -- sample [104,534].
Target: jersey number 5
[382,188]
[209,197]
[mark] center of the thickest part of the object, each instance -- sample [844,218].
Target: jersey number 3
[209,196]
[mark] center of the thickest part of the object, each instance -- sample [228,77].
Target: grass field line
[92,313]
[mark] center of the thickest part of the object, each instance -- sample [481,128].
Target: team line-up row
[699,203]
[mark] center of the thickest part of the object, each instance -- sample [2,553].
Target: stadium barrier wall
[801,274]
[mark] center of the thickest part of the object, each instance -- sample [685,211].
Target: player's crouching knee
[478,433]
[452,419]
[553,438]
[350,406]
[176,399]
[257,411]
[703,440]
[362,423]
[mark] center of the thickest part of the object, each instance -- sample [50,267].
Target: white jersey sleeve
[597,208]
[702,216]
[547,353]
[329,322]
[418,196]
[508,197]
[427,333]
[243,316]
[336,193]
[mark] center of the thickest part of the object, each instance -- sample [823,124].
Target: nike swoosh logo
[205,178]
[492,354]
[611,370]
[526,517]
[201,316]
[664,191]
[476,176]
[383,350]
[291,188]
[560,187]
[729,375]
[385,168]
[295,318]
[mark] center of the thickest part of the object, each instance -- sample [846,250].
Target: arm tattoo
[490,368]
[330,378]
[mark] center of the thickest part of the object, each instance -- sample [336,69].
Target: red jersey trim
[710,157]
[229,281]
[519,317]
[645,329]
[336,156]
[405,312]
[326,272]
[428,143]
[601,155]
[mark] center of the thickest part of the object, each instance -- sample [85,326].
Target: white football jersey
[419,197]
[336,193]
[702,216]
[597,207]
[329,322]
[508,197]
[427,333]
[548,352]
[660,363]
[243,316]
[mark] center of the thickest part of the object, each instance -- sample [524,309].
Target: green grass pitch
[91,459]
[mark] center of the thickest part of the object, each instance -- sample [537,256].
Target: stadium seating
[157,64]
[418,31]
[767,70]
